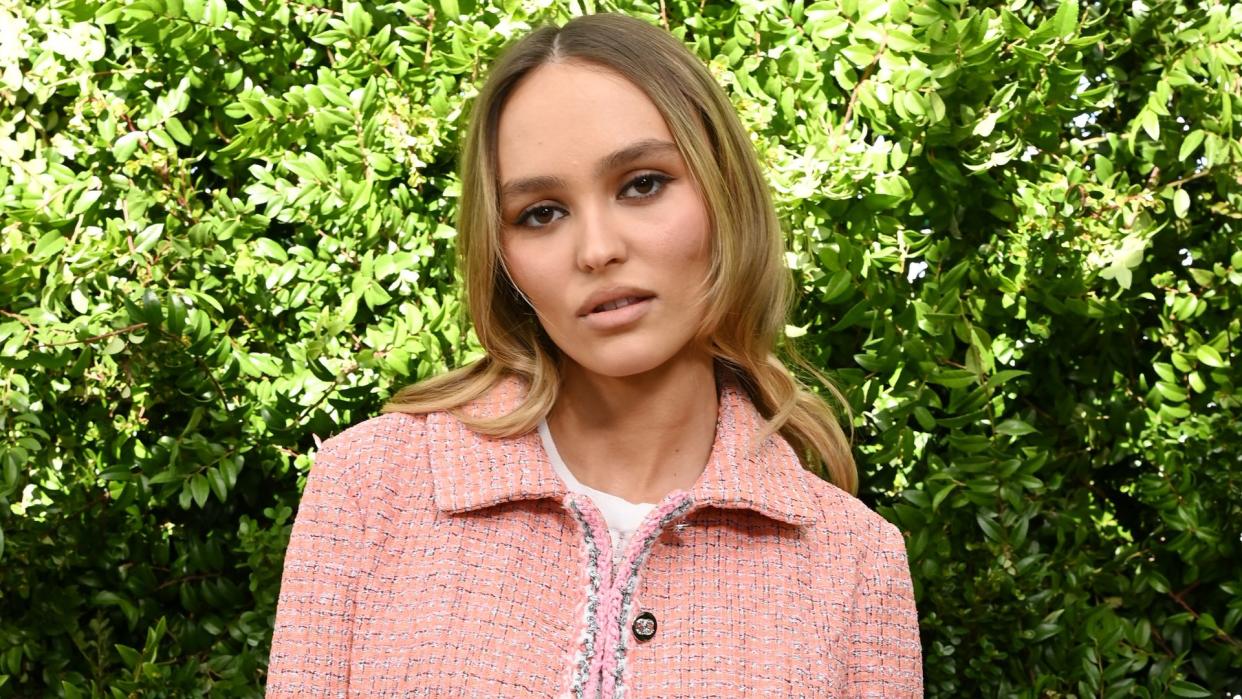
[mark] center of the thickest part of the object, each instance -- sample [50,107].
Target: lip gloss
[618,317]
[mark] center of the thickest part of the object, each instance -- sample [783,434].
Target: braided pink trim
[615,612]
[592,518]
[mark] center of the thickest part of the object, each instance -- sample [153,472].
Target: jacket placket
[599,665]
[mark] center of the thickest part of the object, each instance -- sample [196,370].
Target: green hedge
[227,233]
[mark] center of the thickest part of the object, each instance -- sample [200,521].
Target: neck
[637,437]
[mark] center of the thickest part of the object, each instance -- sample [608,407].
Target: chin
[619,367]
[633,357]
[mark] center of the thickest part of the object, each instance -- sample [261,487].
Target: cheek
[529,270]
[515,264]
[687,235]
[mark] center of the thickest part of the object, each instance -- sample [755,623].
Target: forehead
[562,117]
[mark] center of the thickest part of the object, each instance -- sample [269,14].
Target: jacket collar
[473,471]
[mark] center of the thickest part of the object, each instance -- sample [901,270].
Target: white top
[622,516]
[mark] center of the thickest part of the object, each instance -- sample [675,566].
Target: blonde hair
[749,288]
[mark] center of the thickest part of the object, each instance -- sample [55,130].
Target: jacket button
[644,626]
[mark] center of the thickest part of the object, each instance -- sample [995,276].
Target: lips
[612,298]
[618,315]
[614,305]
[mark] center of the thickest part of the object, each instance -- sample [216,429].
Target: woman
[613,501]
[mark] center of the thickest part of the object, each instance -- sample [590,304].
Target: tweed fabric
[429,561]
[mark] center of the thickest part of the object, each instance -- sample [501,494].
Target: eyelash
[657,178]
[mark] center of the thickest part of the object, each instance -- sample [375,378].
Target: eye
[647,185]
[537,216]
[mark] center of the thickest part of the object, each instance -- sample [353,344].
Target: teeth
[614,305]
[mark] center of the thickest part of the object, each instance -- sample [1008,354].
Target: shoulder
[388,448]
[859,549]
[388,435]
[846,522]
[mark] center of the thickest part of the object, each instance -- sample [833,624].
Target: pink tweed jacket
[429,561]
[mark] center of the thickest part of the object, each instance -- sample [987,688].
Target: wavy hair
[749,288]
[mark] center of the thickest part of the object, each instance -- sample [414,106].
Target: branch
[849,108]
[1220,633]
[96,338]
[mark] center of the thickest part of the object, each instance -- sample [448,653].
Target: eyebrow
[624,156]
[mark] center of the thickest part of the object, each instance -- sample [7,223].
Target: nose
[600,240]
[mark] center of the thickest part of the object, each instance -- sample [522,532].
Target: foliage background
[227,233]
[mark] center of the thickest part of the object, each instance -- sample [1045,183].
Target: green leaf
[177,130]
[175,313]
[1150,122]
[218,485]
[870,362]
[361,197]
[853,316]
[160,138]
[116,473]
[1122,275]
[152,309]
[1181,360]
[1202,277]
[1171,392]
[843,72]
[903,41]
[989,526]
[1183,688]
[1066,18]
[1001,378]
[1103,166]
[358,19]
[149,236]
[937,107]
[166,476]
[1209,356]
[953,378]
[924,417]
[1164,371]
[894,186]
[449,9]
[130,656]
[200,489]
[1015,428]
[860,55]
[266,247]
[1181,203]
[838,285]
[216,14]
[986,125]
[1196,382]
[126,145]
[942,494]
[106,13]
[1189,144]
[828,28]
[49,244]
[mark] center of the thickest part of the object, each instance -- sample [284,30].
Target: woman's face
[598,209]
